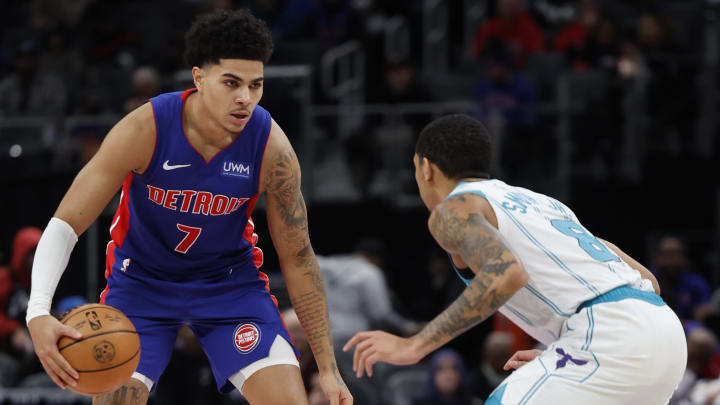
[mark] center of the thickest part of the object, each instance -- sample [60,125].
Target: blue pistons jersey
[183,248]
[186,218]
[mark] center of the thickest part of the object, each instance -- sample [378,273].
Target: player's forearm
[307,294]
[51,257]
[481,298]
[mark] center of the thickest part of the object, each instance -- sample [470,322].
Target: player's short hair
[225,34]
[458,144]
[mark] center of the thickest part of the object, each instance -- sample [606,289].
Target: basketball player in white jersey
[610,337]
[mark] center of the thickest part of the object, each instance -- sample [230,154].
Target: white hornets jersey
[566,264]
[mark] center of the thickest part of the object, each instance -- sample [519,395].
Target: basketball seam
[98,334]
[89,308]
[110,368]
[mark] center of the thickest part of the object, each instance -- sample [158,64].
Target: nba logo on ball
[246,337]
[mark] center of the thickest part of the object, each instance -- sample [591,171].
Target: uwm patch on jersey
[197,202]
[236,169]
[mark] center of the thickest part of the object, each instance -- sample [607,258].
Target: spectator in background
[402,85]
[357,294]
[515,28]
[145,85]
[14,292]
[390,136]
[508,104]
[685,291]
[702,347]
[505,91]
[358,299]
[671,117]
[588,42]
[28,91]
[577,33]
[334,22]
[284,17]
[448,381]
[552,14]
[498,348]
[59,58]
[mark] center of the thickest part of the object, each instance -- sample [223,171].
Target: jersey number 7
[191,235]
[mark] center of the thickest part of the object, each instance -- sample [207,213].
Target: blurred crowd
[621,82]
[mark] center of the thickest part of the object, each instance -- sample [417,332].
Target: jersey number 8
[590,244]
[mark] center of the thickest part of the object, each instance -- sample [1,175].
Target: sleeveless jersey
[186,218]
[566,264]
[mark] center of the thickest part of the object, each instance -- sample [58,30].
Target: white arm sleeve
[51,258]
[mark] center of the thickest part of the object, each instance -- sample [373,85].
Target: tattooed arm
[287,220]
[460,227]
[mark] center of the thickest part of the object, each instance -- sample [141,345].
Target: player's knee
[132,392]
[259,388]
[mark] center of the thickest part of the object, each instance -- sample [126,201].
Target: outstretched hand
[520,358]
[375,346]
[45,332]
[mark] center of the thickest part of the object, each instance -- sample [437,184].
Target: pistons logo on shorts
[246,337]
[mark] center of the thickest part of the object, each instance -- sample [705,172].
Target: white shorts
[624,352]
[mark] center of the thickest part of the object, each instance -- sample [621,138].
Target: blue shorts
[232,314]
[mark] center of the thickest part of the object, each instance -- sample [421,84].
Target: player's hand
[377,345]
[521,357]
[45,332]
[335,388]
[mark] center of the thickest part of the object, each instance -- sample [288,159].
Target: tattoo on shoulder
[471,236]
[283,184]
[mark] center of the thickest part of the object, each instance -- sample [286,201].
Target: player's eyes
[231,83]
[255,86]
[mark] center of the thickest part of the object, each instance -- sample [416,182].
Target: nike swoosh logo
[168,166]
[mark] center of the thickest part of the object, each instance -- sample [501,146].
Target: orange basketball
[107,354]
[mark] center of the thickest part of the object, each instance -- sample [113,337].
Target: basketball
[107,354]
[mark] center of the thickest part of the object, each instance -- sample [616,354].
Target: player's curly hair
[458,144]
[224,34]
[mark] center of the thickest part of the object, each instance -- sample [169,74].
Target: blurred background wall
[609,106]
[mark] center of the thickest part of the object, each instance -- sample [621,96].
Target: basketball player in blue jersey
[191,166]
[610,337]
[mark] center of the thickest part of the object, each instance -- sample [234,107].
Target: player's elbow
[515,278]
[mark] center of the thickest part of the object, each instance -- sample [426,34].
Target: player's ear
[198,77]
[427,169]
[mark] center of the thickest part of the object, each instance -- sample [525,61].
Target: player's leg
[134,392]
[553,378]
[625,353]
[259,380]
[262,386]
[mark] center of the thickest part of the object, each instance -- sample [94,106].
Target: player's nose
[242,96]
